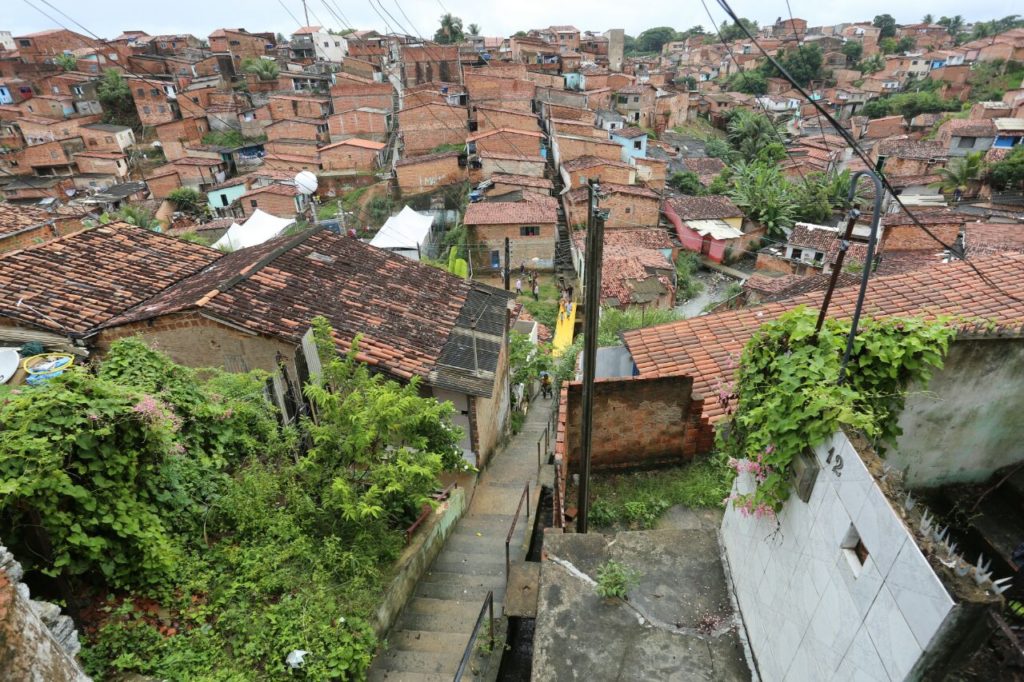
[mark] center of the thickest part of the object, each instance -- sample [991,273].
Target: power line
[845,134]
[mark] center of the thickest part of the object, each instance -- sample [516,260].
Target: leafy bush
[688,264]
[687,182]
[614,321]
[188,200]
[789,398]
[615,580]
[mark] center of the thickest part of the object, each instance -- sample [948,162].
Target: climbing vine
[789,399]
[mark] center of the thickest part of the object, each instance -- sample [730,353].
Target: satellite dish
[306,182]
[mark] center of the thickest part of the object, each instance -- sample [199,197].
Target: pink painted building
[709,225]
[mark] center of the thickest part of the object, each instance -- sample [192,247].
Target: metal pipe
[869,261]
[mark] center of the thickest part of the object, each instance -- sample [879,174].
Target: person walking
[519,286]
[536,290]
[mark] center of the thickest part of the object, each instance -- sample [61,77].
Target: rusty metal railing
[487,608]
[425,513]
[512,529]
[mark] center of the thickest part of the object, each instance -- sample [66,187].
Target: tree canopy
[887,23]
[730,31]
[804,64]
[652,39]
[450,31]
[115,96]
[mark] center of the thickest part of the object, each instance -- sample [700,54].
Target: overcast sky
[108,18]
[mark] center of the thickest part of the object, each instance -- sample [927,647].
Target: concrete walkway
[427,642]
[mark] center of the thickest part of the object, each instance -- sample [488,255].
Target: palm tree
[927,19]
[473,29]
[450,31]
[749,133]
[264,69]
[872,64]
[139,217]
[963,174]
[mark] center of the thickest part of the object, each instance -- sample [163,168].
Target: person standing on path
[536,290]
[519,286]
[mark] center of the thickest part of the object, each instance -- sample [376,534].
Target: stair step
[429,662]
[376,674]
[424,640]
[437,623]
[491,582]
[463,593]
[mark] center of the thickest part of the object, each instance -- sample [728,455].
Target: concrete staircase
[428,640]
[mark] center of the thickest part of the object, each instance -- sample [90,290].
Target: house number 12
[837,468]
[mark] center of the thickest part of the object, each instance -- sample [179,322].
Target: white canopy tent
[406,233]
[260,227]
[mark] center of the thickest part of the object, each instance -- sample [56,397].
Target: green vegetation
[754,137]
[212,546]
[264,69]
[688,264]
[687,182]
[789,398]
[135,215]
[638,500]
[1008,174]
[750,82]
[887,23]
[984,29]
[450,147]
[990,80]
[853,51]
[614,321]
[450,32]
[189,201]
[526,359]
[765,195]
[473,29]
[908,105]
[115,96]
[231,138]
[963,173]
[730,31]
[379,209]
[804,64]
[68,62]
[615,580]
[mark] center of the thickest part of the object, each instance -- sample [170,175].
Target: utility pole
[305,11]
[592,298]
[508,263]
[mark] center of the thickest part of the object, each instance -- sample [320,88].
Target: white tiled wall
[809,614]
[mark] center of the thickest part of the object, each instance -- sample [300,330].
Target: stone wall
[637,422]
[37,642]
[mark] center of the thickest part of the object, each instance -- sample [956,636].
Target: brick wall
[280,205]
[239,45]
[282,107]
[509,142]
[39,233]
[427,127]
[430,63]
[420,177]
[637,423]
[486,88]
[301,147]
[573,148]
[161,186]
[89,164]
[151,102]
[493,119]
[58,153]
[511,166]
[571,113]
[175,135]
[627,210]
[355,123]
[46,46]
[54,131]
[671,111]
[346,96]
[105,141]
[616,174]
[348,157]
[523,248]
[652,172]
[290,129]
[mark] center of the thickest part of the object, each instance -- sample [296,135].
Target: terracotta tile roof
[81,280]
[356,142]
[580,193]
[934,216]
[634,268]
[509,156]
[629,133]
[522,180]
[304,120]
[426,158]
[985,238]
[707,347]
[903,148]
[588,161]
[414,319]
[535,208]
[970,127]
[17,217]
[704,208]
[503,131]
[278,188]
[704,165]
[817,237]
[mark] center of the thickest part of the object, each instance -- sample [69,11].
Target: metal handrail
[437,497]
[512,528]
[488,607]
[557,519]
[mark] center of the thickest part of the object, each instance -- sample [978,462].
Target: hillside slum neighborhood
[344,212]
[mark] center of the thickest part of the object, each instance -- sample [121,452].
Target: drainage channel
[517,659]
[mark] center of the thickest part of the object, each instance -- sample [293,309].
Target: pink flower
[94,417]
